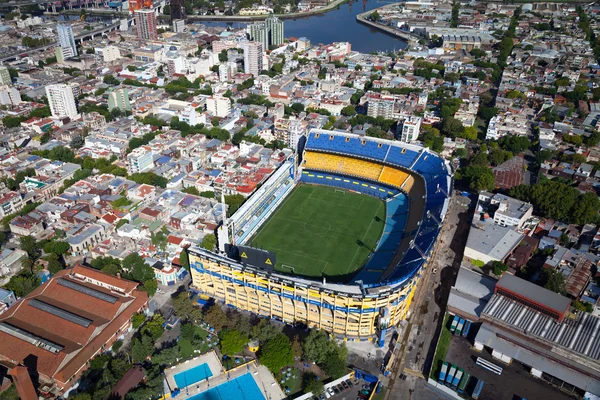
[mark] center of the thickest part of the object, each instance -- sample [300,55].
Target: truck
[450,375]
[457,378]
[454,323]
[464,382]
[477,390]
[465,331]
[459,327]
[443,371]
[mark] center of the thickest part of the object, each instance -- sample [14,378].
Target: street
[418,345]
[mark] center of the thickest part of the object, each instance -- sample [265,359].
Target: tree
[159,239]
[316,346]
[139,270]
[191,190]
[498,267]
[452,127]
[297,107]
[110,80]
[57,247]
[469,133]
[29,245]
[184,259]
[479,178]
[312,384]
[554,280]
[22,284]
[150,286]
[209,242]
[54,265]
[232,342]
[137,320]
[348,111]
[185,309]
[215,317]
[141,349]
[264,331]
[154,327]
[276,353]
[297,346]
[334,366]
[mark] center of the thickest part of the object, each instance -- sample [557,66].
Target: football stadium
[337,237]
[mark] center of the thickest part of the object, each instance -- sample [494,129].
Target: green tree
[276,353]
[297,107]
[234,202]
[185,309]
[30,246]
[141,349]
[316,346]
[139,270]
[137,320]
[498,267]
[184,259]
[150,286]
[57,247]
[191,190]
[54,266]
[209,242]
[554,280]
[110,80]
[232,342]
[154,327]
[216,318]
[479,178]
[22,284]
[264,331]
[334,366]
[348,111]
[312,384]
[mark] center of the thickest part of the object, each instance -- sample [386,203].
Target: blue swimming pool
[191,376]
[242,387]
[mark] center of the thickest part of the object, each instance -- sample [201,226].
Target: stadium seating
[348,183]
[342,144]
[342,165]
[401,156]
[393,176]
[408,184]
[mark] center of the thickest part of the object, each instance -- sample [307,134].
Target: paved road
[426,310]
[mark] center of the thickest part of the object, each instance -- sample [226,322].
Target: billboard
[263,259]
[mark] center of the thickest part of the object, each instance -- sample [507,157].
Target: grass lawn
[294,384]
[322,231]
[442,349]
[186,348]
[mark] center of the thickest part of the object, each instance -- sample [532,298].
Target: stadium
[337,237]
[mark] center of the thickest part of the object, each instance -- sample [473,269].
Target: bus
[459,327]
[477,390]
[464,382]
[454,323]
[489,366]
[457,378]
[465,331]
[443,371]
[450,375]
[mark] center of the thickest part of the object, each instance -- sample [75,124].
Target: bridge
[55,6]
[78,38]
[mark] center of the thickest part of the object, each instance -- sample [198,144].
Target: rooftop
[534,293]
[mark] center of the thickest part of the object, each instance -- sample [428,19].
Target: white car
[327,395]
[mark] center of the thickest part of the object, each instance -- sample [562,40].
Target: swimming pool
[242,387]
[193,375]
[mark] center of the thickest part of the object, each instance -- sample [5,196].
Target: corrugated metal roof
[580,335]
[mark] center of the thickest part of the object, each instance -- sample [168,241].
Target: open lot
[322,231]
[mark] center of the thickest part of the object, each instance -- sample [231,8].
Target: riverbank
[411,38]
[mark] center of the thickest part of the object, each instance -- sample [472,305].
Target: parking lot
[515,381]
[348,390]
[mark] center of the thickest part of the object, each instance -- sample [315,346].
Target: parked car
[349,382]
[345,385]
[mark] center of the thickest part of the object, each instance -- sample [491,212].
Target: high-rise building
[140,160]
[269,33]
[219,106]
[9,96]
[61,100]
[5,76]
[253,57]
[66,40]
[111,53]
[177,10]
[145,22]
[411,127]
[178,25]
[119,98]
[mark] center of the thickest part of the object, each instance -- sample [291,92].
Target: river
[338,25]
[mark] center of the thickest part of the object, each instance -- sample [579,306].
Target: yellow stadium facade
[349,312]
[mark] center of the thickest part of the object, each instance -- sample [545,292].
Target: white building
[253,58]
[62,101]
[111,53]
[66,40]
[5,76]
[179,25]
[140,160]
[218,105]
[9,96]
[410,129]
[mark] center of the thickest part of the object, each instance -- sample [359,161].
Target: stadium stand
[342,165]
[348,183]
[260,206]
[401,157]
[347,145]
[393,176]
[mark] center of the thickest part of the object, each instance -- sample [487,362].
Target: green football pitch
[322,231]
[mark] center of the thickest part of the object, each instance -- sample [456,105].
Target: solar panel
[59,312]
[87,290]
[30,338]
